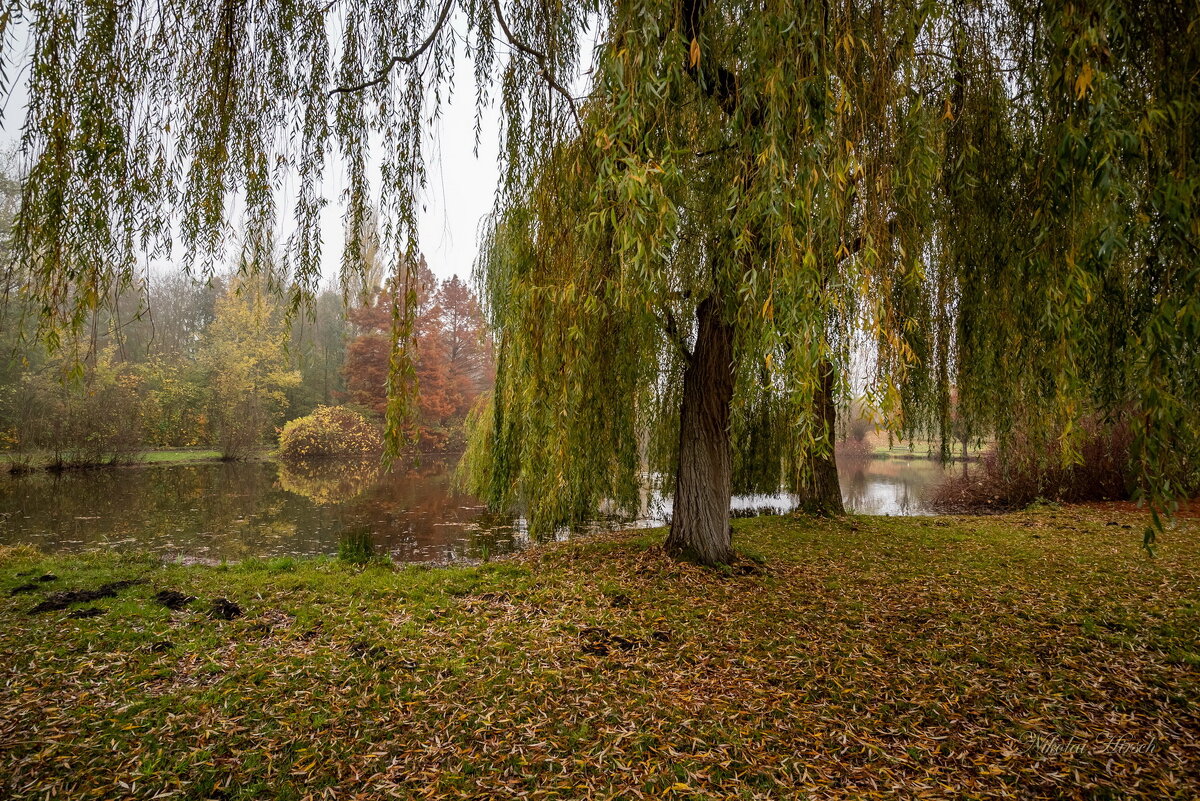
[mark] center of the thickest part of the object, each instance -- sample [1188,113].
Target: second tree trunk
[819,492]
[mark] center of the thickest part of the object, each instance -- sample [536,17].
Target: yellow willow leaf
[1084,81]
[694,53]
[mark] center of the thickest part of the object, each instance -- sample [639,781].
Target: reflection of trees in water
[413,512]
[195,509]
[853,478]
[887,486]
[328,481]
[869,486]
[236,510]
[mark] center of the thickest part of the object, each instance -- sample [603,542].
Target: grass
[918,449]
[181,455]
[1036,655]
[876,445]
[42,461]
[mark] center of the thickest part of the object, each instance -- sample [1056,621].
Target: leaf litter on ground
[870,658]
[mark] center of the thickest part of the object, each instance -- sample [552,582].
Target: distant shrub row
[1027,471]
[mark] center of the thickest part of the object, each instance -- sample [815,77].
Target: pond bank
[1034,654]
[18,464]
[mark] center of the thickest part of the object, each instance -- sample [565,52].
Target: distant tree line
[186,363]
[175,361]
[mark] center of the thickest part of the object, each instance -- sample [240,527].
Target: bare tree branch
[407,58]
[541,59]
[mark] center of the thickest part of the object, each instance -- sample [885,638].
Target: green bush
[330,431]
[96,419]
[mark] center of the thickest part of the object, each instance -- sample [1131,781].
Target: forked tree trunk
[704,479]
[820,493]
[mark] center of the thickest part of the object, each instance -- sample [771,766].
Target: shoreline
[168,457]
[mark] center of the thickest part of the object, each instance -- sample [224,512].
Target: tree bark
[821,494]
[703,480]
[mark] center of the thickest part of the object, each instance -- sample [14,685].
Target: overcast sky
[461,187]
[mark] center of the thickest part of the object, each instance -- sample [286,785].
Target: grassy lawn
[876,444]
[183,455]
[1037,655]
[41,461]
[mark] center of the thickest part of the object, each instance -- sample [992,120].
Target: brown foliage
[453,354]
[1027,470]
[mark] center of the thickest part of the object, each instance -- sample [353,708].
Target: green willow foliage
[1073,228]
[147,122]
[795,192]
[995,198]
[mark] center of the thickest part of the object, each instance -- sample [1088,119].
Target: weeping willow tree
[678,288]
[976,195]
[693,241]
[1071,232]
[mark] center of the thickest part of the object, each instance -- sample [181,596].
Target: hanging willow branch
[542,62]
[407,58]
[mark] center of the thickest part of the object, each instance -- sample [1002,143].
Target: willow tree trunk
[821,494]
[704,478]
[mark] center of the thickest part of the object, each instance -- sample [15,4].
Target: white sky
[461,186]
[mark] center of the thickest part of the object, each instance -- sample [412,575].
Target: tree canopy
[995,197]
[452,362]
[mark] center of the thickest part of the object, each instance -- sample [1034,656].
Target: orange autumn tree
[453,362]
[470,369]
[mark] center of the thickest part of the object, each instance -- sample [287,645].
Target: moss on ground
[1036,655]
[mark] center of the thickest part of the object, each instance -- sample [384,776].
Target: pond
[230,511]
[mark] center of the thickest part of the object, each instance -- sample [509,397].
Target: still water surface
[231,511]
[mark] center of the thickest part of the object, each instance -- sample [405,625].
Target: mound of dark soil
[57,601]
[173,599]
[224,609]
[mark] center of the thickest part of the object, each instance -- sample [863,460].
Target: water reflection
[888,486]
[870,486]
[233,511]
[326,482]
